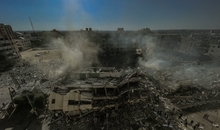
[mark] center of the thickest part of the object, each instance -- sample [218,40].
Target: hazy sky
[110,14]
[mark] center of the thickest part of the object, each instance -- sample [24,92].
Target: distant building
[214,50]
[23,44]
[168,41]
[190,45]
[88,29]
[146,31]
[23,41]
[8,46]
[120,29]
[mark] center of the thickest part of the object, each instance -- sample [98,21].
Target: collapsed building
[103,95]
[139,98]
[88,92]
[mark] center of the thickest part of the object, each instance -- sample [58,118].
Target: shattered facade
[105,98]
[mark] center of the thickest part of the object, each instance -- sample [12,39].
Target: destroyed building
[86,93]
[104,92]
[132,98]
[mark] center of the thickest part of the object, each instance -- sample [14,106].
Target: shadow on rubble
[62,122]
[23,116]
[6,67]
[5,64]
[19,120]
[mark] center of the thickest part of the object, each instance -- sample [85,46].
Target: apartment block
[8,46]
[23,41]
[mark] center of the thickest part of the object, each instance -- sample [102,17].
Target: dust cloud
[167,71]
[77,51]
[152,58]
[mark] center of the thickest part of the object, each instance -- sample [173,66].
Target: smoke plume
[77,51]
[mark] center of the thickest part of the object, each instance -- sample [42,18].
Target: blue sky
[110,14]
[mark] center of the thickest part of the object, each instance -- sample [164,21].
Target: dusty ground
[36,54]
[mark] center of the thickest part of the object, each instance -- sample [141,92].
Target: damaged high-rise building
[8,45]
[11,44]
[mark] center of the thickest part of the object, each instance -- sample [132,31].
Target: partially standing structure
[96,94]
[8,46]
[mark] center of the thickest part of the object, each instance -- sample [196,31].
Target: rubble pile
[27,75]
[193,99]
[139,116]
[187,74]
[141,105]
[138,99]
[190,87]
